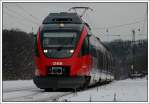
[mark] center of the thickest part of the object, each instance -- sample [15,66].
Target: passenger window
[85,47]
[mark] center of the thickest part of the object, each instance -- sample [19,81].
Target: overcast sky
[116,18]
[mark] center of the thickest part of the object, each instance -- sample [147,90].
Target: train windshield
[59,44]
[59,39]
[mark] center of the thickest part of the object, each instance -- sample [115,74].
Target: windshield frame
[78,34]
[59,39]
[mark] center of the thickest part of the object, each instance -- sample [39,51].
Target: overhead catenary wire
[11,10]
[23,9]
[120,25]
[17,20]
[117,26]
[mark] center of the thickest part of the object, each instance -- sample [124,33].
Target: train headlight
[45,50]
[36,72]
[71,51]
[61,25]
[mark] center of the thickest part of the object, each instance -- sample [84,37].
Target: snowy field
[123,90]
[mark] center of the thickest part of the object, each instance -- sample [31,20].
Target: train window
[92,48]
[93,51]
[104,62]
[36,46]
[85,47]
[100,59]
[107,64]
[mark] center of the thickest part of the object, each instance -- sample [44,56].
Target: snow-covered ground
[123,90]
[17,85]
[25,90]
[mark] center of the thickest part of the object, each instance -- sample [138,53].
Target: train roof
[63,17]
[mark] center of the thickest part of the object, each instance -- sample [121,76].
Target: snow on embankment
[17,89]
[123,90]
[17,84]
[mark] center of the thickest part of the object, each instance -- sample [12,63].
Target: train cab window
[35,46]
[92,47]
[93,51]
[85,47]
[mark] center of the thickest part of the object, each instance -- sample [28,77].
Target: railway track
[31,93]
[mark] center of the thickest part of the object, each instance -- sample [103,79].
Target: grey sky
[106,16]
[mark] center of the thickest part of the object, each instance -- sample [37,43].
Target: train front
[58,57]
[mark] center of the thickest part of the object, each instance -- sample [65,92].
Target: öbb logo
[57,63]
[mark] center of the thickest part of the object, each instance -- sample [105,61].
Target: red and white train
[68,55]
